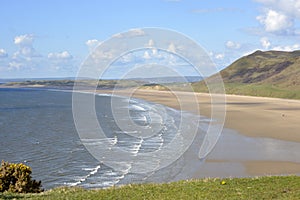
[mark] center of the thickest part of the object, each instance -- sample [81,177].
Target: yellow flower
[223,183]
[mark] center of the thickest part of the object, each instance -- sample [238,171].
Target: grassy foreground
[283,187]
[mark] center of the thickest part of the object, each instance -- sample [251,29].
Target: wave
[137,108]
[53,141]
[93,171]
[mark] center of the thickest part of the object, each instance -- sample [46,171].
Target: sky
[52,38]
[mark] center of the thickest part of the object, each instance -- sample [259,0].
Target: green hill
[270,74]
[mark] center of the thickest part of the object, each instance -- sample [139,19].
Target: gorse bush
[17,178]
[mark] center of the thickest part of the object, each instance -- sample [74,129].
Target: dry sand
[254,117]
[250,116]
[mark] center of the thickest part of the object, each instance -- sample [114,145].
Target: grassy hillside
[270,74]
[245,188]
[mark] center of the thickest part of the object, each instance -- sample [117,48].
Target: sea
[37,128]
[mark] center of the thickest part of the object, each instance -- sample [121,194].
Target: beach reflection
[236,155]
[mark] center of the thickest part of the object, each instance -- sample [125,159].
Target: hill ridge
[274,67]
[262,73]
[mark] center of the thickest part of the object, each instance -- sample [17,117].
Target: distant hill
[269,73]
[167,79]
[170,79]
[161,83]
[82,84]
[274,67]
[9,80]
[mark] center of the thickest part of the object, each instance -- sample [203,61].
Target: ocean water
[37,128]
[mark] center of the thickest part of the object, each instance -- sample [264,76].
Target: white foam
[138,108]
[154,143]
[136,147]
[104,95]
[133,101]
[114,140]
[127,168]
[95,170]
[83,179]
[126,132]
[87,169]
[140,119]
[92,142]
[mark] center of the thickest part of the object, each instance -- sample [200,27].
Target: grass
[255,89]
[263,90]
[276,187]
[265,74]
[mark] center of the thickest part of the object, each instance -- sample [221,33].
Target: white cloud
[288,7]
[13,65]
[232,45]
[265,43]
[92,44]
[27,52]
[280,16]
[130,33]
[26,61]
[127,58]
[287,48]
[117,35]
[155,52]
[60,56]
[26,57]
[150,43]
[219,56]
[26,49]
[3,53]
[172,48]
[100,54]
[136,32]
[274,21]
[221,60]
[24,40]
[146,55]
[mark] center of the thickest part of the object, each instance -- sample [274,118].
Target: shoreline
[257,118]
[252,117]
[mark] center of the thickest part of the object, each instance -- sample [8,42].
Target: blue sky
[52,38]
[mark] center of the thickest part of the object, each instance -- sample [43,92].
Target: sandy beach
[250,116]
[263,120]
[261,137]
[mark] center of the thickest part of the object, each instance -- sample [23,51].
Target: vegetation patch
[17,178]
[265,74]
[283,187]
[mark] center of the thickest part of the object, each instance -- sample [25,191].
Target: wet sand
[266,129]
[250,116]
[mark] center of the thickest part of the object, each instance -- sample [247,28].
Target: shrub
[17,178]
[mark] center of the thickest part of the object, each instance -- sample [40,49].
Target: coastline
[257,118]
[250,116]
